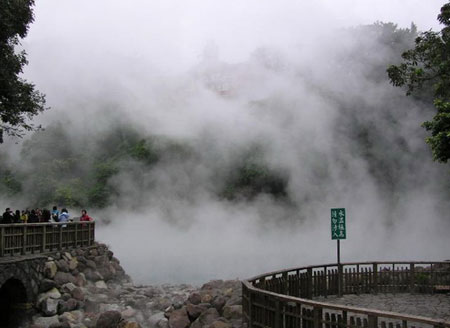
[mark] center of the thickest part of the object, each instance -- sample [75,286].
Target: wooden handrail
[29,238]
[282,299]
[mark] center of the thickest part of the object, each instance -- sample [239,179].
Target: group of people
[37,215]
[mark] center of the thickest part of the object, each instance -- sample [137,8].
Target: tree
[19,101]
[428,64]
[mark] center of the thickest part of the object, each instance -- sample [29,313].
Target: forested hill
[291,130]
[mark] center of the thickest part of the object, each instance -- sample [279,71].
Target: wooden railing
[32,238]
[283,299]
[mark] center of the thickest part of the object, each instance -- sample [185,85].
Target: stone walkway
[432,306]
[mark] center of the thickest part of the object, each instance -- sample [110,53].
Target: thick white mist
[222,76]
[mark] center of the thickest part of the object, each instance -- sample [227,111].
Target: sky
[157,61]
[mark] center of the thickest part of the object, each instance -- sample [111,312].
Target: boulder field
[88,288]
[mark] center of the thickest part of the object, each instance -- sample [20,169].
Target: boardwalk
[433,306]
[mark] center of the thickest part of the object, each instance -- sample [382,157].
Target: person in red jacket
[85,216]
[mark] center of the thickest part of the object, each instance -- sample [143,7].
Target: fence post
[24,239]
[372,321]
[250,305]
[317,314]
[76,235]
[285,284]
[44,238]
[277,314]
[2,241]
[411,277]
[375,277]
[309,283]
[60,237]
[89,234]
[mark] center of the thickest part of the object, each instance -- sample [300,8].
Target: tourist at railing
[8,216]
[64,216]
[46,215]
[24,216]
[85,216]
[33,218]
[55,214]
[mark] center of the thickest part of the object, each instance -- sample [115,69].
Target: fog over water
[222,77]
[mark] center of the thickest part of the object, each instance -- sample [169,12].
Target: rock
[195,298]
[78,294]
[206,298]
[46,322]
[62,265]
[91,264]
[179,319]
[67,256]
[52,293]
[231,312]
[234,300]
[62,278]
[109,319]
[69,287]
[92,275]
[129,324]
[101,284]
[80,280]
[91,306]
[154,319]
[219,303]
[46,285]
[73,317]
[49,306]
[206,318]
[73,264]
[107,272]
[50,269]
[220,324]
[194,311]
[67,306]
[128,313]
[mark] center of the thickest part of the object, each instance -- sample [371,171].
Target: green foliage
[9,184]
[429,64]
[252,176]
[440,132]
[19,100]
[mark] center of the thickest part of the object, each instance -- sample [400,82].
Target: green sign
[338,230]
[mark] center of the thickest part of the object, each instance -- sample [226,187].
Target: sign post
[338,232]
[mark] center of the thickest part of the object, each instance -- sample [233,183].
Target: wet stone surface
[435,306]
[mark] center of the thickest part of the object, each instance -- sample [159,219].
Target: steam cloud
[222,78]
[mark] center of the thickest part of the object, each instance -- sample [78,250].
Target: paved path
[431,306]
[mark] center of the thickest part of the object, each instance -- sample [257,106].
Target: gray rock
[154,319]
[231,312]
[46,322]
[78,294]
[194,311]
[67,306]
[109,319]
[179,319]
[50,269]
[68,288]
[46,285]
[52,293]
[49,306]
[62,278]
[206,318]
[62,265]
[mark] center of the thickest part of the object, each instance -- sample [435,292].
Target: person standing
[8,216]
[85,216]
[64,217]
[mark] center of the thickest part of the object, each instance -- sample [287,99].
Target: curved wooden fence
[283,299]
[31,238]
